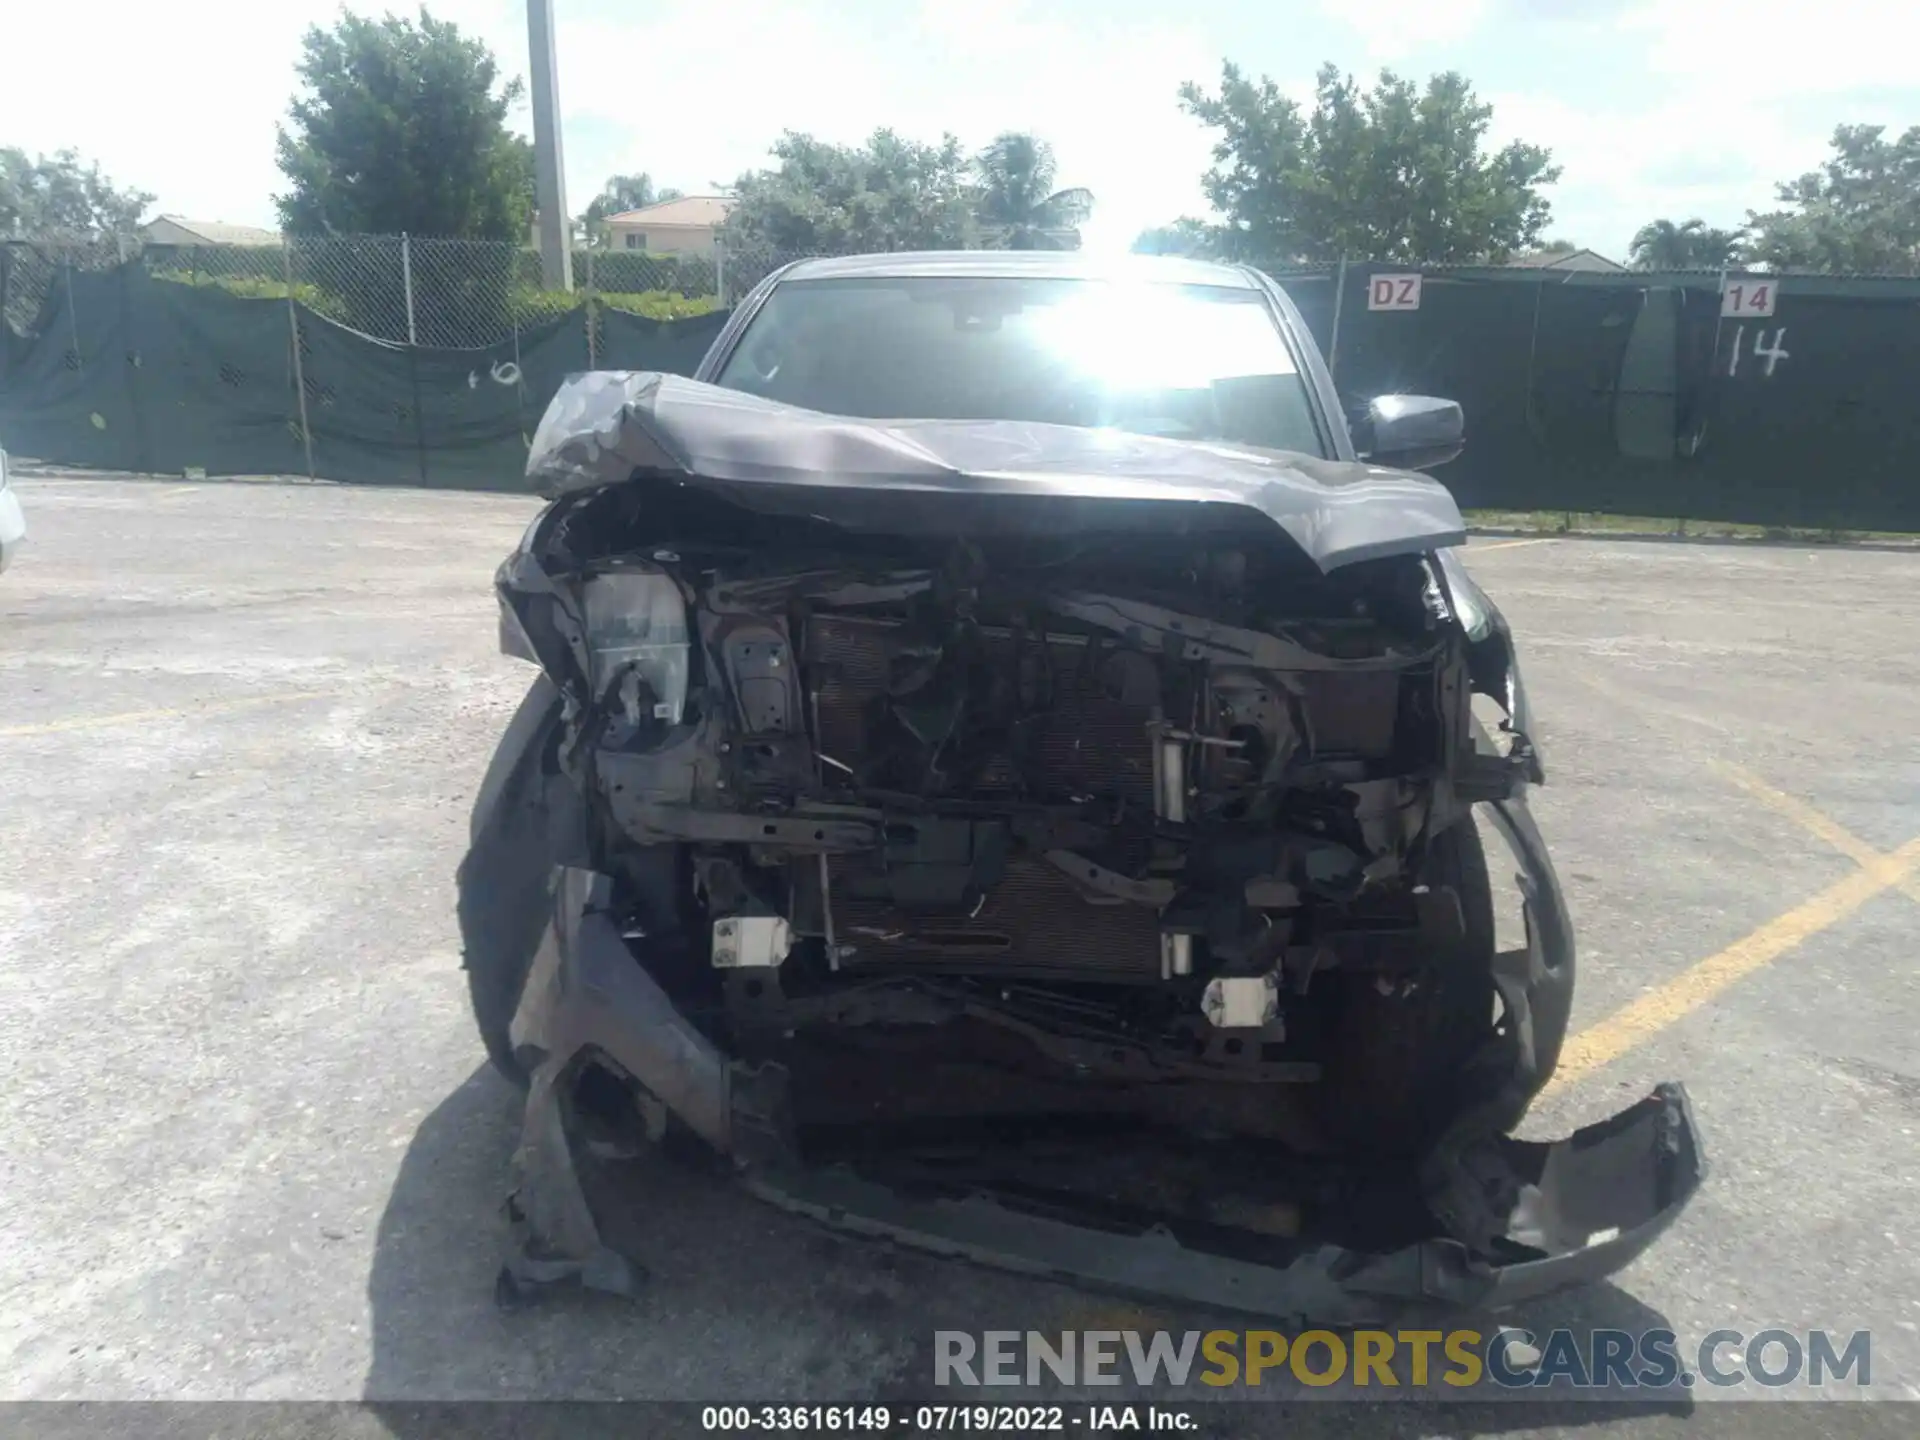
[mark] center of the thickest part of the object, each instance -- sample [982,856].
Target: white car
[13,524]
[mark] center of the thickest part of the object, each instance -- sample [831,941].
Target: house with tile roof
[177,230]
[686,226]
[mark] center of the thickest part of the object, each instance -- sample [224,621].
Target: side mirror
[1413,432]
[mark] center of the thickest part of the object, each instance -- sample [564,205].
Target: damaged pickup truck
[1007,775]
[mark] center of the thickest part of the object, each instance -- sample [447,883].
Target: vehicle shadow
[748,1304]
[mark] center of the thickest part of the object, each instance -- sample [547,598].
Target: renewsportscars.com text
[1512,1359]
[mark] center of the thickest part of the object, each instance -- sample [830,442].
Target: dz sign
[1393,292]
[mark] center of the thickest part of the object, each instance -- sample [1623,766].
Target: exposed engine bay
[1131,802]
[990,866]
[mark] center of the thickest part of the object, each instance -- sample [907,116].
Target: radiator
[1034,923]
[1088,742]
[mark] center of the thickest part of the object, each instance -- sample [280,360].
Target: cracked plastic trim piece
[1568,1212]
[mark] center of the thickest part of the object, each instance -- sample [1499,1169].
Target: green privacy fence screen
[1595,392]
[1632,394]
[126,371]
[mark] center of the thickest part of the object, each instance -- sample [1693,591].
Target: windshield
[1190,362]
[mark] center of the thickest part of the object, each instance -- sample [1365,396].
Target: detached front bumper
[1515,1220]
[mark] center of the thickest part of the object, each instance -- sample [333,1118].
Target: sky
[1655,108]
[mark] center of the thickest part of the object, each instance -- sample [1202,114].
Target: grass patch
[258,287]
[659,304]
[524,305]
[1587,522]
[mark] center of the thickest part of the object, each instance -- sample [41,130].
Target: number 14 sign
[1749,298]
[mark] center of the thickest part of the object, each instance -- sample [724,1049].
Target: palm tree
[1185,236]
[1692,245]
[1017,196]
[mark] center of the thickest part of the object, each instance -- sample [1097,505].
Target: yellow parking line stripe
[1647,704]
[1812,821]
[1679,997]
[1660,1007]
[184,712]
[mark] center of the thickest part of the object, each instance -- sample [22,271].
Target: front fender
[1536,983]
[521,751]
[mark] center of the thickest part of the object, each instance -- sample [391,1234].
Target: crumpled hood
[606,427]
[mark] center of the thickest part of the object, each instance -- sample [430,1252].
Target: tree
[63,197]
[1017,199]
[620,194]
[1859,213]
[889,194]
[1186,236]
[403,129]
[1398,173]
[1691,245]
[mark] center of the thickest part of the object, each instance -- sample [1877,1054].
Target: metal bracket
[1110,883]
[1241,1002]
[801,832]
[750,942]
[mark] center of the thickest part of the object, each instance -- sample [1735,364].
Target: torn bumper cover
[1513,1220]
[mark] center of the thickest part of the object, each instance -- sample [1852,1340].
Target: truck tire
[1399,1046]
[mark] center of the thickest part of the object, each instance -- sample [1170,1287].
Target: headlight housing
[1493,658]
[637,635]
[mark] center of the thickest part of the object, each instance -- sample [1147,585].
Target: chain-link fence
[443,294]
[31,272]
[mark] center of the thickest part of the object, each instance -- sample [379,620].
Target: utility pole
[556,240]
